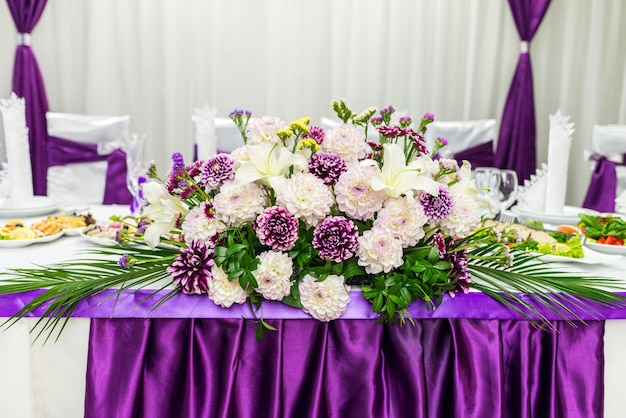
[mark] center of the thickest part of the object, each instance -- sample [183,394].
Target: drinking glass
[488,182]
[507,189]
[134,145]
[5,187]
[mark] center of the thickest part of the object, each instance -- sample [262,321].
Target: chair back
[85,162]
[471,140]
[608,178]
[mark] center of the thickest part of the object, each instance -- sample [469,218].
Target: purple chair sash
[479,156]
[602,187]
[62,152]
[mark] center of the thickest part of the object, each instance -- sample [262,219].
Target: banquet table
[75,375]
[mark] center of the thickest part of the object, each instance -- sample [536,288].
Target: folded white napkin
[620,203]
[560,140]
[204,131]
[532,195]
[18,151]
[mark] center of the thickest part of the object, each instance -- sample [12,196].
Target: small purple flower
[442,140]
[376,121]
[437,207]
[178,162]
[327,167]
[428,117]
[191,270]
[216,170]
[405,121]
[460,271]
[316,133]
[390,131]
[195,168]
[336,238]
[125,261]
[277,228]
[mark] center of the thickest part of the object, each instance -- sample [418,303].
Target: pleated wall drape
[28,83]
[517,141]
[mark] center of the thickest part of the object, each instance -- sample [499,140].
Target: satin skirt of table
[345,368]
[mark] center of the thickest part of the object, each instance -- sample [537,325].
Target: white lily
[467,185]
[268,162]
[163,209]
[397,178]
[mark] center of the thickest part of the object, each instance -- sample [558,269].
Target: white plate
[591,257]
[18,243]
[569,216]
[40,205]
[73,231]
[616,250]
[97,240]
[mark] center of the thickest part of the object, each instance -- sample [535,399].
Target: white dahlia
[325,300]
[346,141]
[306,196]
[225,292]
[264,130]
[379,251]
[403,218]
[355,195]
[273,275]
[201,224]
[238,203]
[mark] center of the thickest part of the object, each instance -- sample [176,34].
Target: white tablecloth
[38,380]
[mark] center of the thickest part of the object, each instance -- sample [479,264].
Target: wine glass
[134,145]
[507,189]
[4,182]
[488,182]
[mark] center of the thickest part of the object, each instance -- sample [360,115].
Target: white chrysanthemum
[273,275]
[379,251]
[197,225]
[404,218]
[225,292]
[346,141]
[325,300]
[464,217]
[355,195]
[238,203]
[306,196]
[264,130]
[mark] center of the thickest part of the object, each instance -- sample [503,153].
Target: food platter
[40,205]
[607,249]
[569,215]
[19,243]
[591,257]
[101,234]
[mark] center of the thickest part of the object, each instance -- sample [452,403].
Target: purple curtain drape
[62,151]
[517,141]
[345,368]
[602,189]
[28,83]
[479,156]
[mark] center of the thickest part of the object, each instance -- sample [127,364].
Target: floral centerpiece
[299,214]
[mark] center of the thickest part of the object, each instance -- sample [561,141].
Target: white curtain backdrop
[156,60]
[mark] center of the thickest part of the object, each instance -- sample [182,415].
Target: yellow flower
[284,133]
[301,125]
[310,144]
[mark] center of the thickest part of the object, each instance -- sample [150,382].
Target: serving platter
[19,243]
[607,249]
[40,205]
[591,257]
[569,215]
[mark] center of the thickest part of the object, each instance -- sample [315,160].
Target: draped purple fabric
[602,189]
[517,141]
[28,83]
[345,368]
[479,156]
[62,151]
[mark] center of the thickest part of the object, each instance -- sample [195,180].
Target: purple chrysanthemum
[437,207]
[191,270]
[336,238]
[316,133]
[327,167]
[459,267]
[216,170]
[277,228]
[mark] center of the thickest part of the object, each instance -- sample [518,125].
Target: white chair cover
[80,184]
[228,135]
[461,135]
